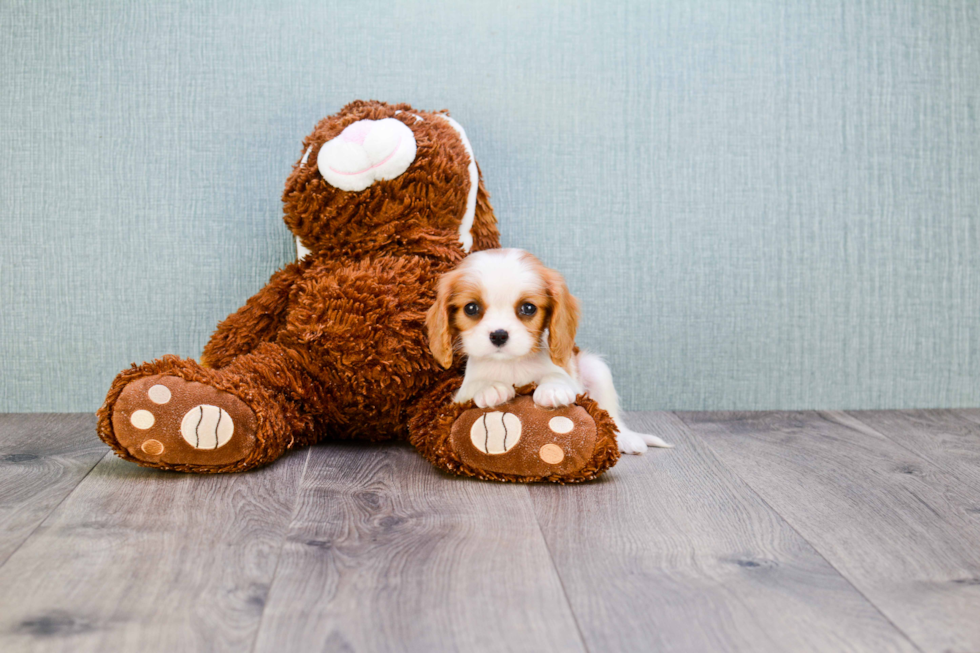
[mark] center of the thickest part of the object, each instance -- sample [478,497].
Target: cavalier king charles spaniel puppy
[516,320]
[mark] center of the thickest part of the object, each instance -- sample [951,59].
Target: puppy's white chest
[516,373]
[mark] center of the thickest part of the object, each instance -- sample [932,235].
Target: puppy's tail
[598,382]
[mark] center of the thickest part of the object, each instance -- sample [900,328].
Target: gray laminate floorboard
[972,414]
[673,552]
[387,554]
[946,438]
[42,458]
[759,532]
[144,560]
[900,527]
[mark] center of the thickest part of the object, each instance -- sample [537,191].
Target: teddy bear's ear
[365,152]
[466,224]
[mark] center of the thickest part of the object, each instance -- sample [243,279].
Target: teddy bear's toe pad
[522,439]
[165,419]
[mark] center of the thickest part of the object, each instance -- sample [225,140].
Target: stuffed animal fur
[385,199]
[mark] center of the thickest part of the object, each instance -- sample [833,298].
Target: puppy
[516,320]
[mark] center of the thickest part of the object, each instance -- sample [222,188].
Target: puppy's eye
[472,309]
[527,309]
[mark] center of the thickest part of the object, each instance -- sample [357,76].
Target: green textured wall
[761,205]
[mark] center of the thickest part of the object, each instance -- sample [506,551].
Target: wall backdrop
[760,204]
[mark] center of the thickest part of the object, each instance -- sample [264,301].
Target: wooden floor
[760,532]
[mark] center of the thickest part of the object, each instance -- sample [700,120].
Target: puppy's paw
[637,443]
[630,442]
[493,395]
[554,395]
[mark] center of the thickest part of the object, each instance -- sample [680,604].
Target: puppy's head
[497,305]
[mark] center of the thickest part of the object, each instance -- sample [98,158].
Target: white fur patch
[300,250]
[365,152]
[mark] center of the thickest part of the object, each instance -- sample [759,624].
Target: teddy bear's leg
[175,414]
[259,320]
[517,441]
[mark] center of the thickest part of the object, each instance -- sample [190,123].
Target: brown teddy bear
[385,199]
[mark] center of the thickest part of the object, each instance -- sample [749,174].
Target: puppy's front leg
[556,390]
[485,395]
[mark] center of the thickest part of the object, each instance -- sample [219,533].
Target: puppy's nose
[499,337]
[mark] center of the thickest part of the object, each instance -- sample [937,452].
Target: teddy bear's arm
[259,320]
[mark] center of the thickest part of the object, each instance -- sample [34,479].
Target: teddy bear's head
[379,175]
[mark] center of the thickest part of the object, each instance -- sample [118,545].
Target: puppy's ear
[438,321]
[563,320]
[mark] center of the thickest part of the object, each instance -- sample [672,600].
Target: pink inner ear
[356,132]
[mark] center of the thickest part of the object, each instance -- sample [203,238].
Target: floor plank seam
[282,545]
[55,507]
[900,445]
[904,447]
[554,566]
[792,526]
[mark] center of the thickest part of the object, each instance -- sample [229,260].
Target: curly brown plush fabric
[334,345]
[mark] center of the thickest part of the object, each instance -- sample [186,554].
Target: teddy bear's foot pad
[165,419]
[520,438]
